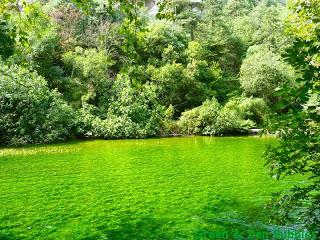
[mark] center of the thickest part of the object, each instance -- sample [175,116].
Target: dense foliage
[114,70]
[29,111]
[298,123]
[235,117]
[262,72]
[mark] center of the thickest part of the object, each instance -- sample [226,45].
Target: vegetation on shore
[103,70]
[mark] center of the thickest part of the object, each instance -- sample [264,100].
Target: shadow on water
[8,237]
[251,223]
[5,230]
[213,223]
[5,234]
[146,228]
[221,221]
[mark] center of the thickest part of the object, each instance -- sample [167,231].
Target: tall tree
[298,150]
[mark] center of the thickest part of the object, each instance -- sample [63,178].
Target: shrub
[197,119]
[231,120]
[29,111]
[131,114]
[236,117]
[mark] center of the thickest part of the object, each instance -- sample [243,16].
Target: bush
[231,120]
[197,119]
[131,114]
[117,127]
[113,127]
[29,111]
[254,109]
[236,117]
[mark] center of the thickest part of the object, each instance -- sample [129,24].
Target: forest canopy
[116,69]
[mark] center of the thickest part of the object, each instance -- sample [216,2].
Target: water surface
[171,188]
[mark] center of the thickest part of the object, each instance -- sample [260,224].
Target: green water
[175,188]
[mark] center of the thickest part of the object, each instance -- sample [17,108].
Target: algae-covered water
[170,188]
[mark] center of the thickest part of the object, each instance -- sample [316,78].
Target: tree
[164,42]
[84,49]
[29,112]
[177,87]
[217,38]
[6,42]
[132,113]
[32,41]
[236,8]
[262,72]
[256,23]
[90,77]
[268,24]
[186,13]
[298,150]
